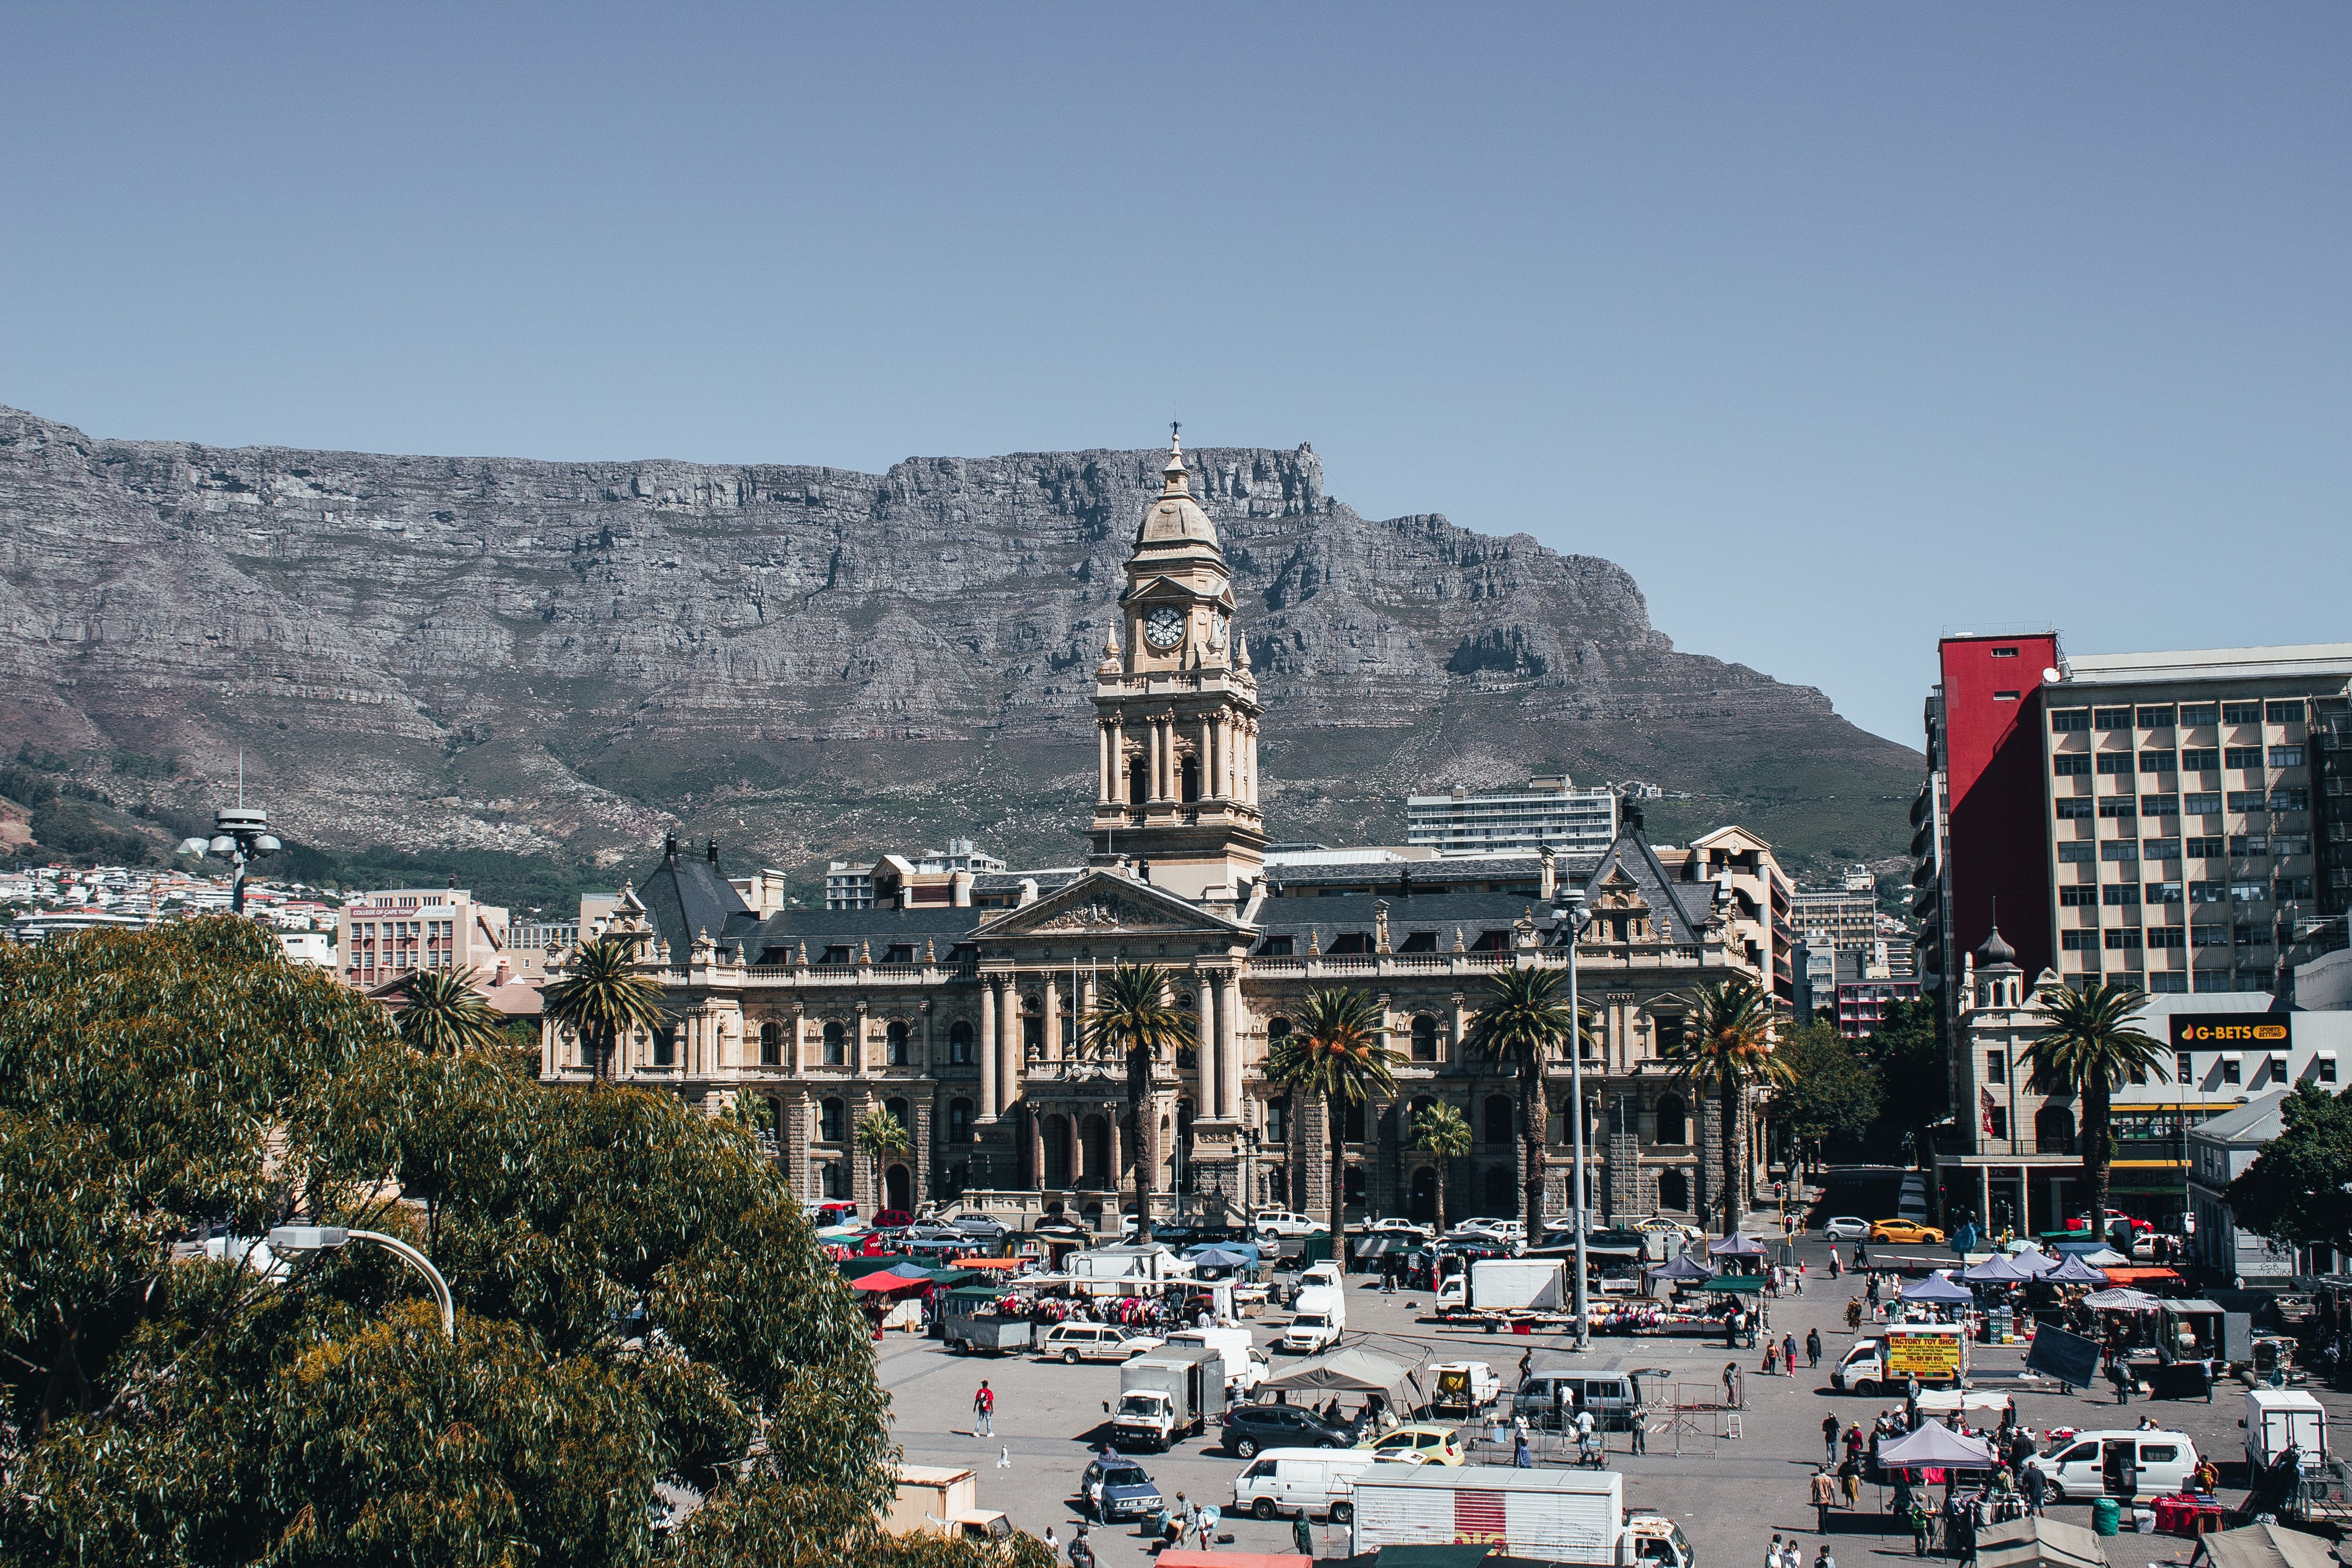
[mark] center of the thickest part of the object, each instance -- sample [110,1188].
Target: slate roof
[1438,912]
[687,893]
[2257,1121]
[1681,908]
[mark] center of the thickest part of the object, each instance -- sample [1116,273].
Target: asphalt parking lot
[1730,1495]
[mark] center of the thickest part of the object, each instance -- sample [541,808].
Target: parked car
[1279,1222]
[833,1212]
[2117,1463]
[1417,1442]
[979,1226]
[1674,1228]
[1061,1224]
[1075,1342]
[893,1219]
[1910,1231]
[1846,1228]
[1397,1225]
[1249,1427]
[1498,1231]
[1115,1489]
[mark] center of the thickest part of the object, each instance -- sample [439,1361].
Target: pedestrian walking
[2120,1375]
[1830,1429]
[1082,1551]
[1853,1314]
[1836,1267]
[1053,1547]
[1302,1534]
[1813,1347]
[1789,1354]
[1771,1359]
[1801,1274]
[1825,1498]
[983,1411]
[1822,1559]
[1772,1553]
[1640,1438]
[1850,1480]
[1923,1529]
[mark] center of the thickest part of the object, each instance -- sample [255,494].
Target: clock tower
[1178,710]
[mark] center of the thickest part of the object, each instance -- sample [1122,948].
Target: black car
[1249,1427]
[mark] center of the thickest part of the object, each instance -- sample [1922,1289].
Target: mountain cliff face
[567,657]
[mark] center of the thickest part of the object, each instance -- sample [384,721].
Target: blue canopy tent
[1995,1270]
[1224,1258]
[1684,1267]
[2074,1271]
[1936,1287]
[1736,1246]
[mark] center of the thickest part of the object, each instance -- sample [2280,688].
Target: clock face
[1164,627]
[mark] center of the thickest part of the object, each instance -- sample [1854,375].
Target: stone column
[1102,754]
[1229,1049]
[929,1061]
[1205,1049]
[1111,1175]
[1118,760]
[1154,769]
[1010,1064]
[1205,759]
[1036,1152]
[857,1042]
[1053,1029]
[987,1051]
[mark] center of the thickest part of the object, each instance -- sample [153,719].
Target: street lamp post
[301,1240]
[242,833]
[1572,901]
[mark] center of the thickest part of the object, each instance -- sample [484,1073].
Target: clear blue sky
[1838,325]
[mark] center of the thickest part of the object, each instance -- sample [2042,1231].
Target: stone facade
[964,1021]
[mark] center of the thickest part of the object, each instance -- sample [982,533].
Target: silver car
[1845,1227]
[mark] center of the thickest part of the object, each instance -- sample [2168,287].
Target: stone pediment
[1102,904]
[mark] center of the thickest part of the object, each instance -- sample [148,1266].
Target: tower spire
[1171,475]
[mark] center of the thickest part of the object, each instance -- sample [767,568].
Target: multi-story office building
[1549,813]
[1847,919]
[1868,990]
[2163,817]
[387,936]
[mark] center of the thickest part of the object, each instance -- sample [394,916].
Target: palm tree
[1131,1021]
[1334,1049]
[2093,1045]
[603,995]
[444,1013]
[1523,1023]
[879,1133]
[1438,1128]
[1726,1045]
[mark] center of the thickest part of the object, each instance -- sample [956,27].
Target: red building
[1979,834]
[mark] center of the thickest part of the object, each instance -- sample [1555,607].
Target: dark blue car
[1116,1488]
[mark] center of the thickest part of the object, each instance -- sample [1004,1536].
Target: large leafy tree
[1907,1055]
[1438,1128]
[1727,1046]
[1830,1091]
[640,1302]
[1134,1022]
[880,1135]
[2092,1045]
[2294,1190]
[1524,1023]
[602,997]
[1334,1051]
[444,1013]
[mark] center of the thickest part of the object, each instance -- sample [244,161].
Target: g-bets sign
[2232,1031]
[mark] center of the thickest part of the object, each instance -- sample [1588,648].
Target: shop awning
[2074,1271]
[2142,1276]
[883,1282]
[1995,1270]
[996,1265]
[854,1267]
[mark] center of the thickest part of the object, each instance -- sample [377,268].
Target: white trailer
[1516,1285]
[2277,1416]
[1574,1517]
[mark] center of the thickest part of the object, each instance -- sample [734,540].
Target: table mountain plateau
[566,658]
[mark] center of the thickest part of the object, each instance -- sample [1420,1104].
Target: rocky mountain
[565,658]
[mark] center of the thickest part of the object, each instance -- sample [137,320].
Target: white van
[2117,1463]
[1319,1313]
[1281,1481]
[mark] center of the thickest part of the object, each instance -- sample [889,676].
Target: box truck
[1317,1315]
[1245,1364]
[1935,1353]
[2277,1416]
[1165,1395]
[1547,1516]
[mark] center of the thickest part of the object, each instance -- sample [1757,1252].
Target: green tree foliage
[1831,1093]
[878,1136]
[2091,1047]
[1334,1051]
[1727,1046]
[602,997]
[639,1300]
[445,1014]
[1907,1054]
[1438,1128]
[1522,1025]
[1131,1022]
[2293,1192]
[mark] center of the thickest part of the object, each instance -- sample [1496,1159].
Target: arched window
[899,1113]
[897,1035]
[1351,1121]
[1424,1038]
[959,1043]
[1499,1119]
[1500,1181]
[2053,1130]
[833,1121]
[665,1044]
[836,1044]
[836,1178]
[1673,1190]
[771,1045]
[1674,1126]
[1412,1113]
[958,1121]
[1276,1029]
[1139,782]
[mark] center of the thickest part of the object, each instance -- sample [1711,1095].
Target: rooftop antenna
[240,775]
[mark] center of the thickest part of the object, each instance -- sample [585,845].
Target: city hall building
[955,999]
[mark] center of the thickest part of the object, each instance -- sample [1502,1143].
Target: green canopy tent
[1735,1284]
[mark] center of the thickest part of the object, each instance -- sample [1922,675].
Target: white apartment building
[1848,919]
[1549,811]
[386,936]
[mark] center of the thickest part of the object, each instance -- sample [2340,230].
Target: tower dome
[1995,950]
[1174,517]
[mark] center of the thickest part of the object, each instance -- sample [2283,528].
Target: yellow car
[1417,1442]
[1905,1230]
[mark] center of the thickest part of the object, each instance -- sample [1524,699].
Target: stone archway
[899,1188]
[1058,1149]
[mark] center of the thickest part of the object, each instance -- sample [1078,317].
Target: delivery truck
[2278,1417]
[1506,1285]
[1167,1394]
[1575,1517]
[1935,1353]
[1245,1364]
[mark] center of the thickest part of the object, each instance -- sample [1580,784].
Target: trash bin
[2106,1517]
